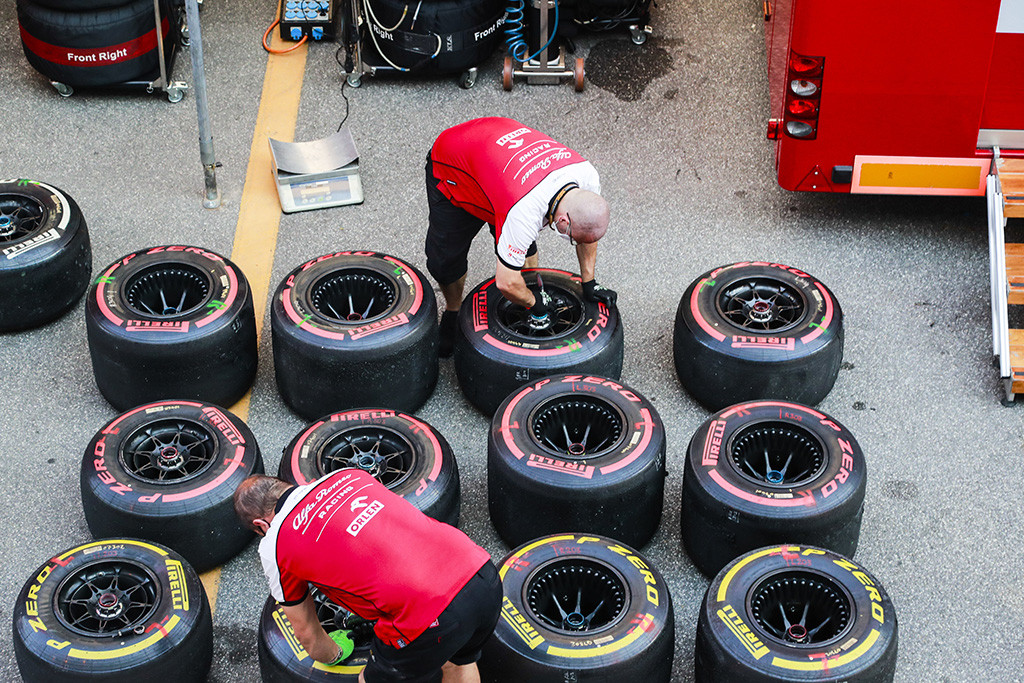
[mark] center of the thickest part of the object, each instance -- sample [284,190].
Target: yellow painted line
[259,214]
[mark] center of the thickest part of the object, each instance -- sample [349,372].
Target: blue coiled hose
[514,41]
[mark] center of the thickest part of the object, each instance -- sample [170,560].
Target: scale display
[320,194]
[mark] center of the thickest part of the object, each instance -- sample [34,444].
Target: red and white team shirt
[505,174]
[369,551]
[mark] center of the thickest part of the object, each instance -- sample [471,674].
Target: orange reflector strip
[919,175]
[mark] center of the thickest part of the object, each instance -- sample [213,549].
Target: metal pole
[206,155]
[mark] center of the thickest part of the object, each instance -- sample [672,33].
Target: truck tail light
[803,97]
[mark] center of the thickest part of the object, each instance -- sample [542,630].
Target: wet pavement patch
[625,69]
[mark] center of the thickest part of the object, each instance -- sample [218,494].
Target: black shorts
[462,629]
[450,234]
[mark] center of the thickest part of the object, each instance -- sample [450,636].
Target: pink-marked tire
[283,659]
[117,610]
[45,256]
[747,331]
[768,472]
[171,322]
[402,452]
[576,452]
[496,350]
[166,472]
[580,608]
[354,329]
[795,613]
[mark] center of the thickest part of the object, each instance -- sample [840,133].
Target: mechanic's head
[255,500]
[582,215]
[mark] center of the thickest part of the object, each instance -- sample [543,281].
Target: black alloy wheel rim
[800,608]
[384,453]
[777,454]
[760,304]
[168,451]
[577,427]
[20,216]
[167,290]
[576,595]
[566,315]
[107,599]
[333,618]
[352,295]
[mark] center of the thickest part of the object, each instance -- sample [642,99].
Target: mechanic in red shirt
[516,179]
[433,592]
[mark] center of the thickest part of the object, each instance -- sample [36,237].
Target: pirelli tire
[97,46]
[114,610]
[576,452]
[766,472]
[442,37]
[795,613]
[496,350]
[171,322]
[581,608]
[755,330]
[407,455]
[166,472]
[45,254]
[354,329]
[283,659]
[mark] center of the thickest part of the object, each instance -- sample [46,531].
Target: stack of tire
[773,489]
[96,43]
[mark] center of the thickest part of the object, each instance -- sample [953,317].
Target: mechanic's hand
[540,312]
[343,639]
[595,292]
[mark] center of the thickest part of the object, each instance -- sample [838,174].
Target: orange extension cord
[277,21]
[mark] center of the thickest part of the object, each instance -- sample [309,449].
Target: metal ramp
[1005,196]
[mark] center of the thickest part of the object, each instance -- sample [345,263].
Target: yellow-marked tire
[283,659]
[795,613]
[580,608]
[119,610]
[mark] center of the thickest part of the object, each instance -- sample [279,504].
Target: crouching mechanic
[434,593]
[500,172]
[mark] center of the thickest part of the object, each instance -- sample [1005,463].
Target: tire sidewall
[61,223]
[725,619]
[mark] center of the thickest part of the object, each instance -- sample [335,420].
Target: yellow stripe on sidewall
[113,541]
[129,649]
[819,664]
[259,214]
[638,631]
[720,595]
[526,549]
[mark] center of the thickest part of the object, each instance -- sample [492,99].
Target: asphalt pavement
[676,128]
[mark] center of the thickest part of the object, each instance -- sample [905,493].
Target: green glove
[343,638]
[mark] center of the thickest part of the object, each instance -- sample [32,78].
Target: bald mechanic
[516,179]
[434,594]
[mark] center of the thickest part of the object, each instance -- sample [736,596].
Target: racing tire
[171,322]
[354,329]
[753,627]
[496,350]
[747,331]
[407,455]
[118,610]
[576,452]
[760,472]
[98,46]
[283,659]
[620,627]
[166,472]
[45,255]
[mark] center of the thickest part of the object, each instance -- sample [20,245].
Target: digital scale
[318,174]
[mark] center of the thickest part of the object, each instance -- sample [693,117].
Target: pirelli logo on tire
[742,632]
[519,624]
[289,635]
[179,589]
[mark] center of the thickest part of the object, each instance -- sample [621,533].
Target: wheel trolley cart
[539,68]
[441,37]
[603,15]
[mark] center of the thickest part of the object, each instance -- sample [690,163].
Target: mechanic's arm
[309,631]
[587,255]
[511,284]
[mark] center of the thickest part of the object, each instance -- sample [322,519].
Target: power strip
[307,18]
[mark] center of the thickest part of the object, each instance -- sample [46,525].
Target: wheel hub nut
[6,226]
[761,311]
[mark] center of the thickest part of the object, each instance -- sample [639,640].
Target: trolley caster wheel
[176,92]
[62,89]
[638,34]
[507,74]
[353,80]
[579,75]
[468,78]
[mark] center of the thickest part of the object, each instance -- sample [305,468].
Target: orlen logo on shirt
[365,516]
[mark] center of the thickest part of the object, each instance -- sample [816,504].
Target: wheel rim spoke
[167,290]
[385,454]
[577,427]
[783,605]
[565,316]
[777,454]
[364,294]
[20,216]
[107,598]
[597,591]
[761,305]
[168,451]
